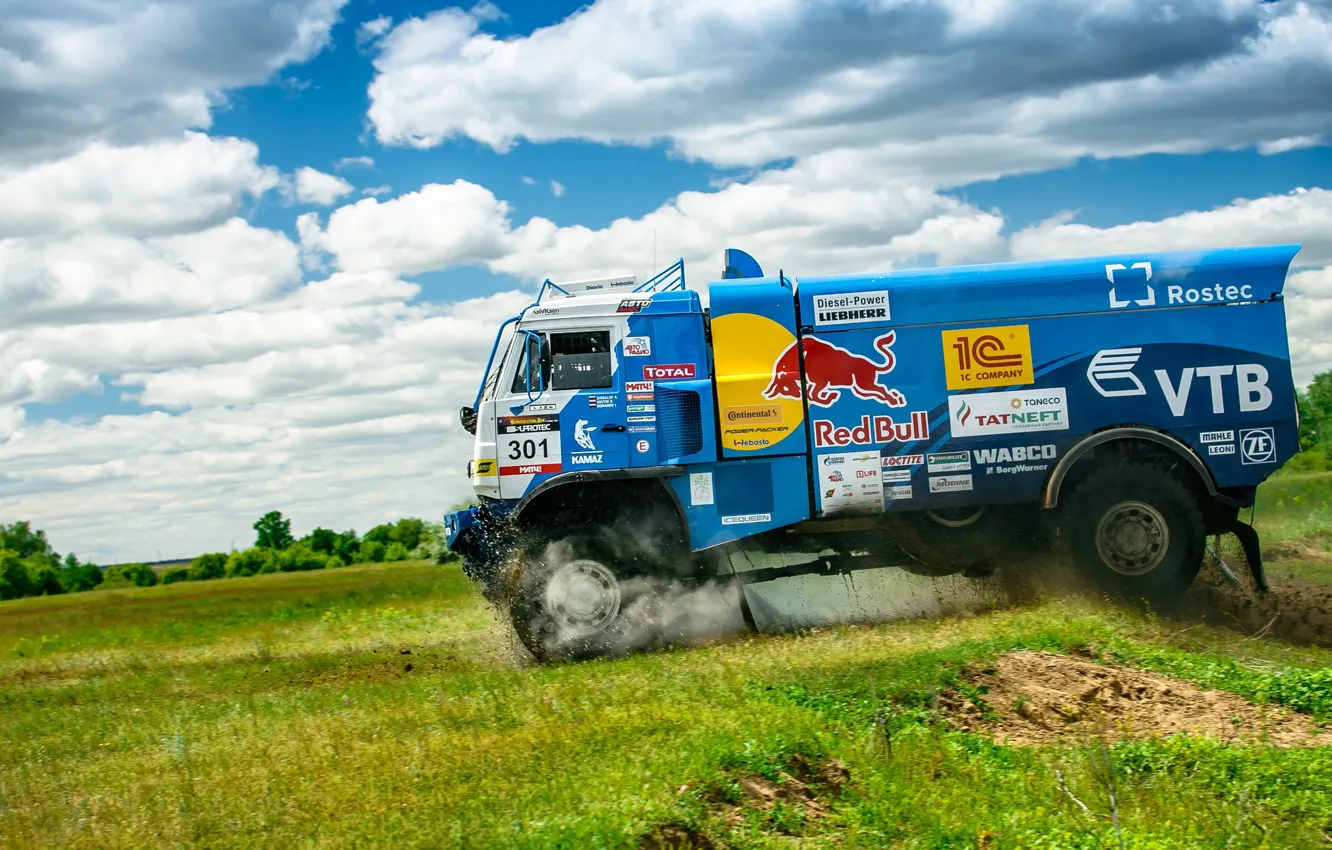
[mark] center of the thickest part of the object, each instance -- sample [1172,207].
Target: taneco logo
[987,357]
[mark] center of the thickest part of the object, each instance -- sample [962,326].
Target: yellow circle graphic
[759,386]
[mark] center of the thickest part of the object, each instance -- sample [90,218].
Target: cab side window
[580,360]
[531,359]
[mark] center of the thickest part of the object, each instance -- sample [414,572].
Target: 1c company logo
[987,357]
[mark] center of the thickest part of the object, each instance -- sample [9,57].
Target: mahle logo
[987,357]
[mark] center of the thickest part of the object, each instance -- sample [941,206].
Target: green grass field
[386,706]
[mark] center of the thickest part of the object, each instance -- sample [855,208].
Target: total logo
[670,370]
[1110,373]
[829,369]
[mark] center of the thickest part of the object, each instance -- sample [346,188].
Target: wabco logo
[987,357]
[1111,374]
[1015,454]
[1116,303]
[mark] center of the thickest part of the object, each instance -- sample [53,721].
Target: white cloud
[173,186]
[530,181]
[315,187]
[354,162]
[72,72]
[370,31]
[376,191]
[795,79]
[557,188]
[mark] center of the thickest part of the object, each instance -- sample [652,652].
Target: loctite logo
[668,370]
[873,430]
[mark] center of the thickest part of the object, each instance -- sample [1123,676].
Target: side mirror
[468,418]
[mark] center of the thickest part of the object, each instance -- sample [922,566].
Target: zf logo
[1257,445]
[1115,303]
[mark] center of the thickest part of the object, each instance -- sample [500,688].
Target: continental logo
[485,467]
[987,357]
[766,413]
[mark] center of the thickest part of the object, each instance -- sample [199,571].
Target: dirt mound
[1294,609]
[1038,698]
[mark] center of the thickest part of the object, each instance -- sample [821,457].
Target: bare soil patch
[1295,610]
[1028,698]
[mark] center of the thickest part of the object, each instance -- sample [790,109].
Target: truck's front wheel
[578,596]
[1134,528]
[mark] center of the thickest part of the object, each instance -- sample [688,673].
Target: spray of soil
[1295,610]
[1028,698]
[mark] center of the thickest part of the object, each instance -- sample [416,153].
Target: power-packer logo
[987,357]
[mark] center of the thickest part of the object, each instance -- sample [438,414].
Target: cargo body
[920,414]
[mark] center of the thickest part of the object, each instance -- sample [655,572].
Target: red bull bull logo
[830,369]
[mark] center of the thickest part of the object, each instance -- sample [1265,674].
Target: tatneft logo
[1116,303]
[987,357]
[988,414]
[851,308]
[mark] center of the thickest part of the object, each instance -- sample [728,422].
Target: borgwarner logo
[1116,303]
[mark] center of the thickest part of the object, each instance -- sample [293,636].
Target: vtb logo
[1116,303]
[987,357]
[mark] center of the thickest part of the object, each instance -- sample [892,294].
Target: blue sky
[154,195]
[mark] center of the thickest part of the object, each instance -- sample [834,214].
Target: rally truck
[1124,408]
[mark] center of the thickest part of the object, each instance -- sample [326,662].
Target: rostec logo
[830,369]
[671,370]
[1114,366]
[1116,303]
[1257,445]
[987,357]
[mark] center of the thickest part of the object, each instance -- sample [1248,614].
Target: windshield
[491,384]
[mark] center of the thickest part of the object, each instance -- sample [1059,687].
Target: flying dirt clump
[1028,698]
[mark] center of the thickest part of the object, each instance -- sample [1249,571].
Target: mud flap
[1253,554]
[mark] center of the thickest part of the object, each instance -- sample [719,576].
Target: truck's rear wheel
[1135,529]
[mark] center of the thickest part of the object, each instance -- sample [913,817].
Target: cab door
[564,410]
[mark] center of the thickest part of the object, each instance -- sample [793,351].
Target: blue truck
[1120,408]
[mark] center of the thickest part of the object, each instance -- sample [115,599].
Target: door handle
[612,427]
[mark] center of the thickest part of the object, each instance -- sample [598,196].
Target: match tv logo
[829,369]
[1115,303]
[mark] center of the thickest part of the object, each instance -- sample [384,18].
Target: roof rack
[670,278]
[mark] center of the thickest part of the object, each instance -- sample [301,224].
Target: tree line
[29,566]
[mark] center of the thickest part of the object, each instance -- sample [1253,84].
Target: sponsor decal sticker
[746,519]
[1257,445]
[585,458]
[763,413]
[642,429]
[1221,449]
[486,467]
[902,460]
[896,476]
[851,481]
[1216,437]
[637,346]
[950,483]
[601,401]
[700,488]
[669,370]
[633,305]
[829,369]
[546,311]
[583,435]
[988,414]
[640,419]
[873,430]
[852,308]
[897,492]
[641,396]
[528,424]
[1009,454]
[1110,372]
[641,408]
[638,387]
[642,446]
[987,357]
[948,462]
[1127,273]
[539,408]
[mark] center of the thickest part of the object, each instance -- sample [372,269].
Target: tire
[590,592]
[971,541]
[1135,530]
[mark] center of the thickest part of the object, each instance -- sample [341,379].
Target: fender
[585,475]
[1124,432]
